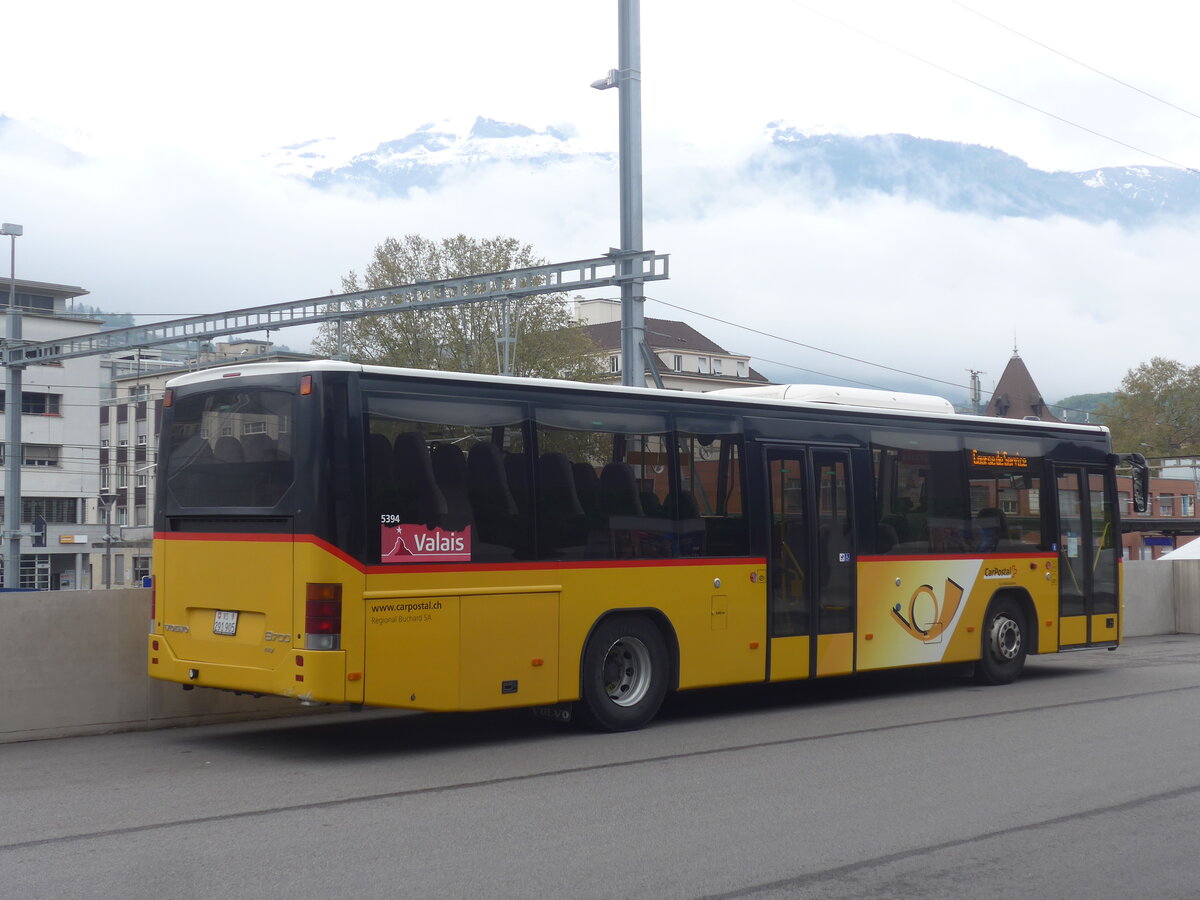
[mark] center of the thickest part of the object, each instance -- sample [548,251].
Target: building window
[702,365]
[718,365]
[141,567]
[678,366]
[35,572]
[1166,504]
[104,478]
[122,476]
[37,404]
[52,509]
[1187,505]
[141,482]
[122,515]
[139,515]
[40,455]
[614,364]
[741,368]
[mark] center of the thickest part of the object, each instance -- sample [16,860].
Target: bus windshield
[231,447]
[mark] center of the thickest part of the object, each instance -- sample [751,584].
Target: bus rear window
[230,447]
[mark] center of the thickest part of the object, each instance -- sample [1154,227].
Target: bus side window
[605,474]
[922,494]
[709,507]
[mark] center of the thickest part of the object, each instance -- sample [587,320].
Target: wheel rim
[627,671]
[1005,638]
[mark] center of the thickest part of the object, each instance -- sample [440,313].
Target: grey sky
[171,207]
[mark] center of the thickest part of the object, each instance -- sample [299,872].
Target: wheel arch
[1025,603]
[659,619]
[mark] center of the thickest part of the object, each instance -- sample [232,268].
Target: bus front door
[1087,556]
[810,562]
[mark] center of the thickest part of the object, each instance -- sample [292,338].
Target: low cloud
[882,279]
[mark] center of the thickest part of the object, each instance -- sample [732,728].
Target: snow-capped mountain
[430,154]
[952,176]
[974,179]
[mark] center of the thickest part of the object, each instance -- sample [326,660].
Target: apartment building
[130,413]
[59,452]
[687,360]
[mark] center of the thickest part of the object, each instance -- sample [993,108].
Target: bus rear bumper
[311,676]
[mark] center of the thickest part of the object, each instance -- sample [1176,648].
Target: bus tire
[1005,643]
[625,674]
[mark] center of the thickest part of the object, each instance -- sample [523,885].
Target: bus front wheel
[625,674]
[1005,643]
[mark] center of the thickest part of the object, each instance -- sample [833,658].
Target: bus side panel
[917,611]
[411,650]
[717,613]
[509,650]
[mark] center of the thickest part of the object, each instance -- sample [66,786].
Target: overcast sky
[171,207]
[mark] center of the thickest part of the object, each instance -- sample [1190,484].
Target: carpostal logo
[927,617]
[999,573]
[409,543]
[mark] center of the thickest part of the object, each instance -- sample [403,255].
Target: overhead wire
[929,378]
[992,90]
[1077,62]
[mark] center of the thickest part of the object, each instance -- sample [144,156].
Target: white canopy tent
[1190,550]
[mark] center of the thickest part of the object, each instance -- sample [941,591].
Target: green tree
[461,338]
[1081,407]
[1156,411]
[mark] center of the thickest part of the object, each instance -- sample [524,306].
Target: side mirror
[1141,479]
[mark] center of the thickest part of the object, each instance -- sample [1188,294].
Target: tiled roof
[661,334]
[665,336]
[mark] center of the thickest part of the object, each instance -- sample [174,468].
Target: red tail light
[322,617]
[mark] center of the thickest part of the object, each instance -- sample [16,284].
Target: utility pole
[12,421]
[976,393]
[628,79]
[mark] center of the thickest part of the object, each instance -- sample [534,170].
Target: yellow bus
[351,534]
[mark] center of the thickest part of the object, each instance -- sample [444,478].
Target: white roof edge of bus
[943,409]
[846,396]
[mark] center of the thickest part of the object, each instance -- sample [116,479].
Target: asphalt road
[1080,780]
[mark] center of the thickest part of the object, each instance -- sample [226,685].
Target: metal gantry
[612,270]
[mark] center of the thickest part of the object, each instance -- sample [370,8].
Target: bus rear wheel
[1005,643]
[625,674]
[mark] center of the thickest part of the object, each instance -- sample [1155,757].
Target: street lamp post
[12,457]
[107,500]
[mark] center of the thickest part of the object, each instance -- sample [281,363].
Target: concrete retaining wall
[1187,595]
[74,662]
[1149,598]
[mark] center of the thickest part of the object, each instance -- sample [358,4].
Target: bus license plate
[225,622]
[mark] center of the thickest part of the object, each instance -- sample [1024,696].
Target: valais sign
[418,544]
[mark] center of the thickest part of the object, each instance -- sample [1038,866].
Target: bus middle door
[1087,553]
[810,562]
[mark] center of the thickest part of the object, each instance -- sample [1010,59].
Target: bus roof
[817,398]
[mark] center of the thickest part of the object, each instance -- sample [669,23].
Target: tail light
[323,617]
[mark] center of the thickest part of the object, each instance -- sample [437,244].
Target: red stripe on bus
[952,557]
[566,564]
[456,567]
